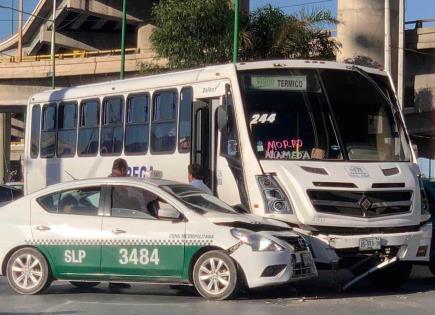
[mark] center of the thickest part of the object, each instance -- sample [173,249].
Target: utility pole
[20,31]
[12,17]
[53,44]
[236,32]
[401,60]
[124,17]
[387,51]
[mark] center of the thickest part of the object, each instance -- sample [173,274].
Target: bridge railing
[74,54]
[419,23]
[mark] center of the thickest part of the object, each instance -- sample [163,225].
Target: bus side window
[67,129]
[112,127]
[35,131]
[48,133]
[164,122]
[89,128]
[137,124]
[229,138]
[185,125]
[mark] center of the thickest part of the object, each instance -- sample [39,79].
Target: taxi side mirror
[169,213]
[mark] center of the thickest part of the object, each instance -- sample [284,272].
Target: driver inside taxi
[68,204]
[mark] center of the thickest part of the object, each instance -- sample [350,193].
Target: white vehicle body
[364,200]
[98,241]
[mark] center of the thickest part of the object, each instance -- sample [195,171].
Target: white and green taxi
[136,230]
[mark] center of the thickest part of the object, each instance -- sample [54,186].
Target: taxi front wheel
[215,275]
[28,271]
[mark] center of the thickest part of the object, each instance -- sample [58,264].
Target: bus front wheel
[391,277]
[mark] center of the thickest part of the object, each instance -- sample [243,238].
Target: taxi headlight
[257,242]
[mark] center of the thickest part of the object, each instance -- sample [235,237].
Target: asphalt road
[313,297]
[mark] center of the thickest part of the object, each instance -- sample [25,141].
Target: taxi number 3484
[138,256]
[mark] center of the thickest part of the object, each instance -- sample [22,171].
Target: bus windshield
[316,114]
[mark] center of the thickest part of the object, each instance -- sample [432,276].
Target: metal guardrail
[419,23]
[74,54]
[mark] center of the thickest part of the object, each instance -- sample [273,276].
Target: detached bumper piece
[303,265]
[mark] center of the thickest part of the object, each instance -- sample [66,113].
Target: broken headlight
[258,242]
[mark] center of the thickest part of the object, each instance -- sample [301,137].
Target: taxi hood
[246,221]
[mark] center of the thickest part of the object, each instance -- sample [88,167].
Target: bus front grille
[365,204]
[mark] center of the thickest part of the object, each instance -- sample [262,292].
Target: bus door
[203,149]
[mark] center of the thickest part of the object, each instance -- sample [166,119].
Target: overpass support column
[5,145]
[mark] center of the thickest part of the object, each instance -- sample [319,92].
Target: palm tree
[273,34]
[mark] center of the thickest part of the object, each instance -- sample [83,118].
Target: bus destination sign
[288,83]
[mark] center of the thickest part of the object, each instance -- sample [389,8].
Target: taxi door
[137,244]
[66,227]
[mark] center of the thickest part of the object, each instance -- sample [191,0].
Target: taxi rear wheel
[215,275]
[84,285]
[28,271]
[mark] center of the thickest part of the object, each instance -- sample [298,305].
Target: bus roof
[180,78]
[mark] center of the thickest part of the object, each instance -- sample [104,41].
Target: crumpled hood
[248,221]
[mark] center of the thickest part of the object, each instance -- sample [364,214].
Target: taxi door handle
[118,231]
[43,228]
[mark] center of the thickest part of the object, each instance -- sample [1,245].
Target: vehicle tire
[392,277]
[215,275]
[432,267]
[28,272]
[84,285]
[184,289]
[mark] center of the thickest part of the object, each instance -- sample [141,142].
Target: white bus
[320,145]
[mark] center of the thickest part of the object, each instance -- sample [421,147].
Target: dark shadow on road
[40,313]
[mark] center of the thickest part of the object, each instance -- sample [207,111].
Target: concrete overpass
[420,87]
[88,35]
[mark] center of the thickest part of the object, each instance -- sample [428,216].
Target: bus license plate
[371,243]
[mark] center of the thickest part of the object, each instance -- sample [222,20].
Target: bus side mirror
[221,117]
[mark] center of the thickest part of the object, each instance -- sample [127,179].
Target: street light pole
[20,31]
[124,17]
[236,32]
[53,43]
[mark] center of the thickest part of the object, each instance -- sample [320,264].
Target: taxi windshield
[198,200]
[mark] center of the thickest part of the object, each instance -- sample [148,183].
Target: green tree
[195,33]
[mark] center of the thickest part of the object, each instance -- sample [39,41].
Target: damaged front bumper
[413,246]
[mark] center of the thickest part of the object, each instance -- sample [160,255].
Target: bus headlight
[274,197]
[425,211]
[257,242]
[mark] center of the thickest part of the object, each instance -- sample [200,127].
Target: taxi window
[5,194]
[132,202]
[83,201]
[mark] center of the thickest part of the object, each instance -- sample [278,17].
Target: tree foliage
[194,33]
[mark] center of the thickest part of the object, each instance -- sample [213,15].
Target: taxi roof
[110,180]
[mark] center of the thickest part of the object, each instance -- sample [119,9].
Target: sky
[415,9]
